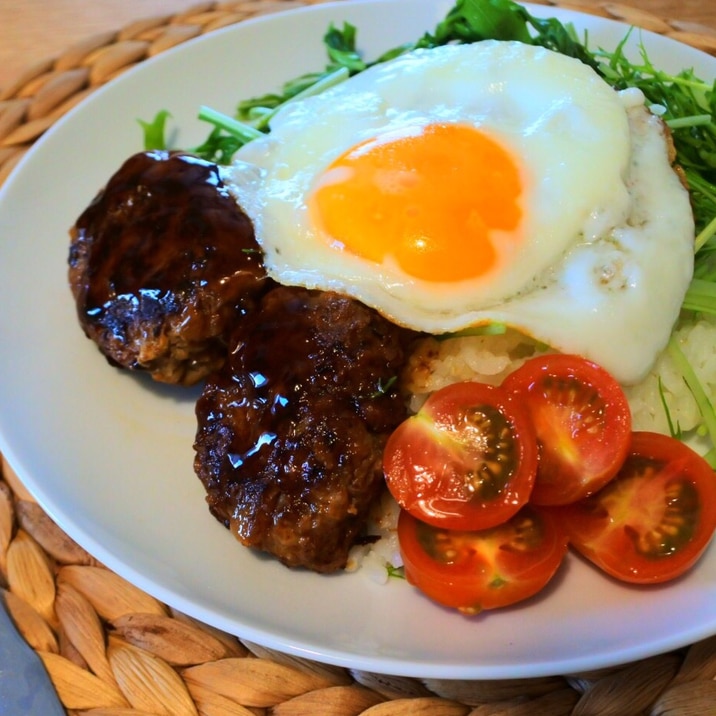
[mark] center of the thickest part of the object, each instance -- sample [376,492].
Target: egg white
[610,230]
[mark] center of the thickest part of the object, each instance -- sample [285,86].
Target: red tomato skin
[425,466]
[574,461]
[488,576]
[597,527]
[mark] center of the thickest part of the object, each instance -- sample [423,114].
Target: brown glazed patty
[161,265]
[291,430]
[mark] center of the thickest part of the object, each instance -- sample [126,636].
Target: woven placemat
[112,650]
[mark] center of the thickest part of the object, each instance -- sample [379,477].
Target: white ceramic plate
[109,456]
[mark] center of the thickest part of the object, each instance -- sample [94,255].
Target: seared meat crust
[291,431]
[161,263]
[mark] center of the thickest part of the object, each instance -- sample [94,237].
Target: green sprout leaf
[154,131]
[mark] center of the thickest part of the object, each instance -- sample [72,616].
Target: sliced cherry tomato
[473,571]
[583,424]
[467,460]
[654,520]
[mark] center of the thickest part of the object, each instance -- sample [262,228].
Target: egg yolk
[431,198]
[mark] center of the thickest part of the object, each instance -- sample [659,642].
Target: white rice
[375,559]
[489,358]
[697,340]
[484,358]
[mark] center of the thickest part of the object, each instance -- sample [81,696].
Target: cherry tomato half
[583,424]
[654,520]
[474,571]
[467,460]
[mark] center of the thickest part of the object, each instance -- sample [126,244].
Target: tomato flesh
[475,571]
[653,521]
[583,425]
[467,460]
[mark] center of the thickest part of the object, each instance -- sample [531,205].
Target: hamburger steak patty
[291,430]
[161,263]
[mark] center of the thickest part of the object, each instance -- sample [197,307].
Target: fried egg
[466,185]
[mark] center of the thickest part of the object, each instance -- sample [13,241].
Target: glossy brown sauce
[163,224]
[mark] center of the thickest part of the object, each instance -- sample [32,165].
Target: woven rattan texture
[112,650]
